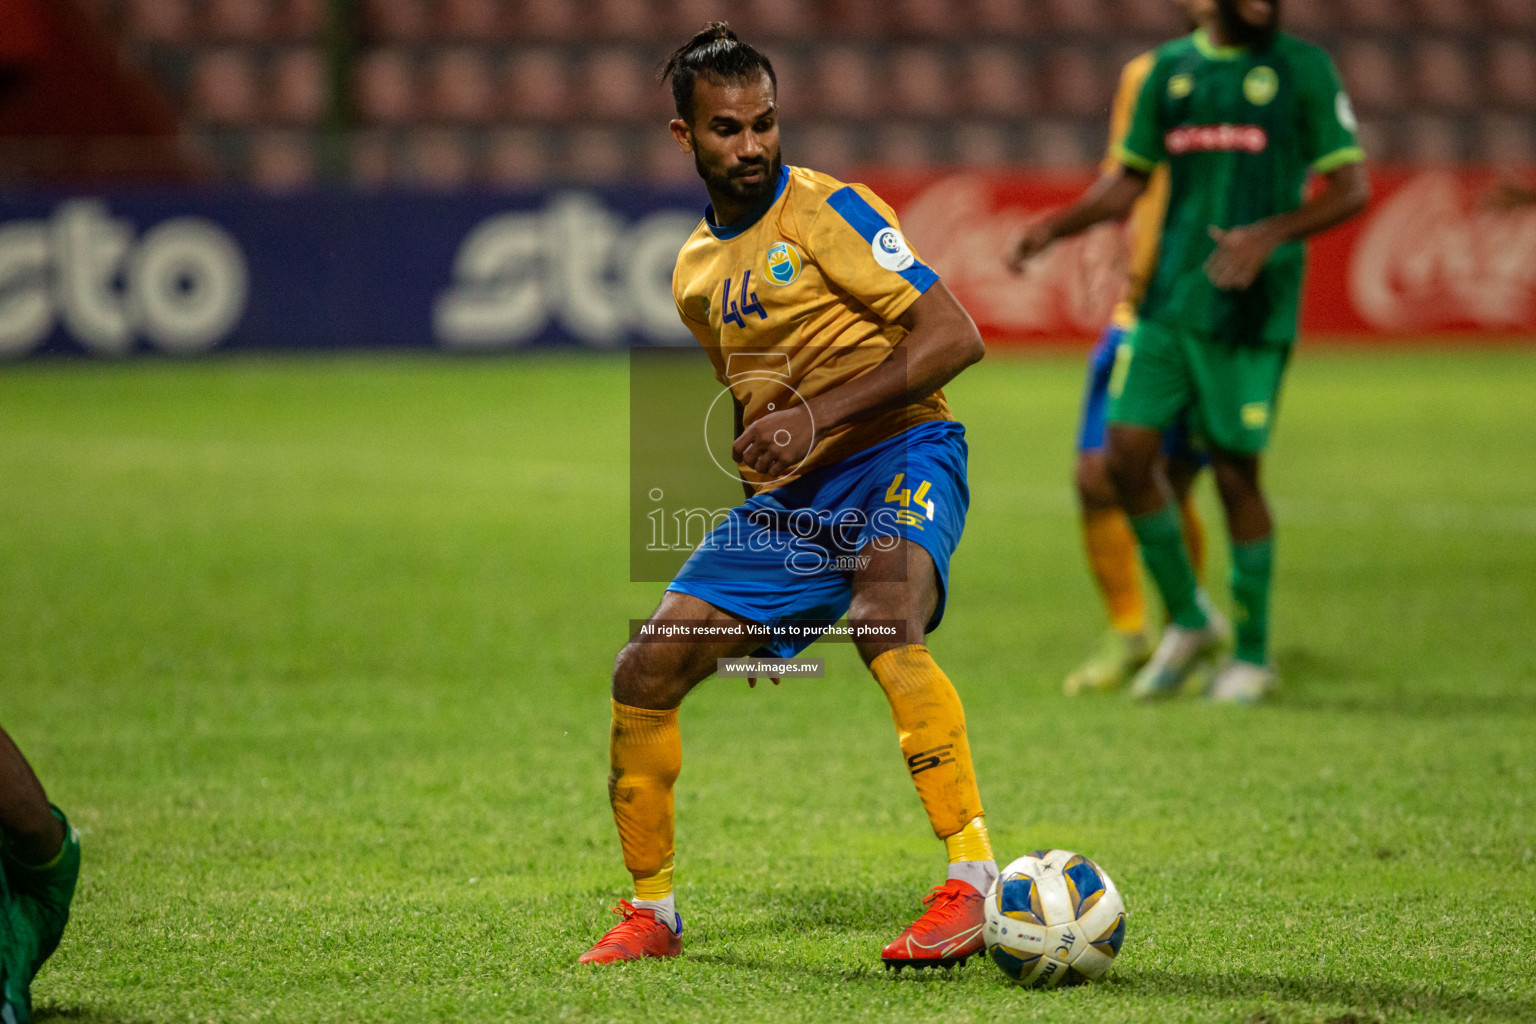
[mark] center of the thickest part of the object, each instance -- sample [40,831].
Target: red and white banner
[1425,260]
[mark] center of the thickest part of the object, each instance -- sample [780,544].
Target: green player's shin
[1252,565]
[34,903]
[1162,548]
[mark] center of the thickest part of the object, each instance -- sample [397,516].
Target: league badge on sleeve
[891,250]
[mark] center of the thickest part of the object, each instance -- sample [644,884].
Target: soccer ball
[1054,918]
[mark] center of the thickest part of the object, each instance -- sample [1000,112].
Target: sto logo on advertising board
[182,285]
[575,263]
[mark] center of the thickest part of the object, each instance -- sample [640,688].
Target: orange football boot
[638,935]
[949,931]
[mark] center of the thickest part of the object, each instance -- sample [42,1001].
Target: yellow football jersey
[800,298]
[1146,220]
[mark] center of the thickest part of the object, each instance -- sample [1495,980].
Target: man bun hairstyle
[716,53]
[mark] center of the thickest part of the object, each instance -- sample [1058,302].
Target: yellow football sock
[645,751]
[1112,558]
[930,724]
[971,842]
[1194,534]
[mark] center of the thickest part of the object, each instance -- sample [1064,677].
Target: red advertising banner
[1424,261]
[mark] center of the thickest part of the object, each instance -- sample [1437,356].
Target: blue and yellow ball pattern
[1054,918]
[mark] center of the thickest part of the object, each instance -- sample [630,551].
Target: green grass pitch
[315,652]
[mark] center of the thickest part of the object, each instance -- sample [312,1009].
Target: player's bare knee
[637,678]
[1237,479]
[1095,490]
[1130,474]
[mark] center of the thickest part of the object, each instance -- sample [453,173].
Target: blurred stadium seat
[459,86]
[439,158]
[994,82]
[517,157]
[395,21]
[1062,144]
[1379,15]
[979,145]
[296,84]
[385,87]
[826,147]
[534,86]
[1448,15]
[1434,139]
[1309,18]
[905,145]
[1370,71]
[615,85]
[242,20]
[281,161]
[991,19]
[549,20]
[1079,85]
[599,156]
[224,88]
[1520,14]
[1084,17]
[920,82]
[479,20]
[1511,66]
[1505,139]
[845,83]
[928,20]
[971,82]
[775,19]
[159,21]
[298,19]
[1442,76]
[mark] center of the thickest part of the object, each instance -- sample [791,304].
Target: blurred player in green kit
[1241,114]
[39,865]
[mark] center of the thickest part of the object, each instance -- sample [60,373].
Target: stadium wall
[182,273]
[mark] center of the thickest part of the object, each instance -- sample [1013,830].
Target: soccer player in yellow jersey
[834,339]
[1107,536]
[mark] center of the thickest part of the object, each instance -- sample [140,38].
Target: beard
[730,183]
[1240,33]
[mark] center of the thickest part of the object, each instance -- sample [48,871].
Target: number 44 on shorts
[909,501]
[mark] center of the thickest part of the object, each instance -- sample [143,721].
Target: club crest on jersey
[1260,85]
[891,250]
[783,263]
[1180,86]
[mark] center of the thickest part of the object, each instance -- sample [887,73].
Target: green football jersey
[1240,131]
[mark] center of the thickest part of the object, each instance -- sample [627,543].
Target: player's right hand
[1037,238]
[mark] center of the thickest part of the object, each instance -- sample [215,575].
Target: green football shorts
[1230,391]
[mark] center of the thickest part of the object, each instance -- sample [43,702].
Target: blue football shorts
[1178,443]
[790,555]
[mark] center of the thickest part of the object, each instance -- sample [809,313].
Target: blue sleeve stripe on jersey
[864,219]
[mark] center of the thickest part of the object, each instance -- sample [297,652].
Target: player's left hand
[776,443]
[1240,255]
